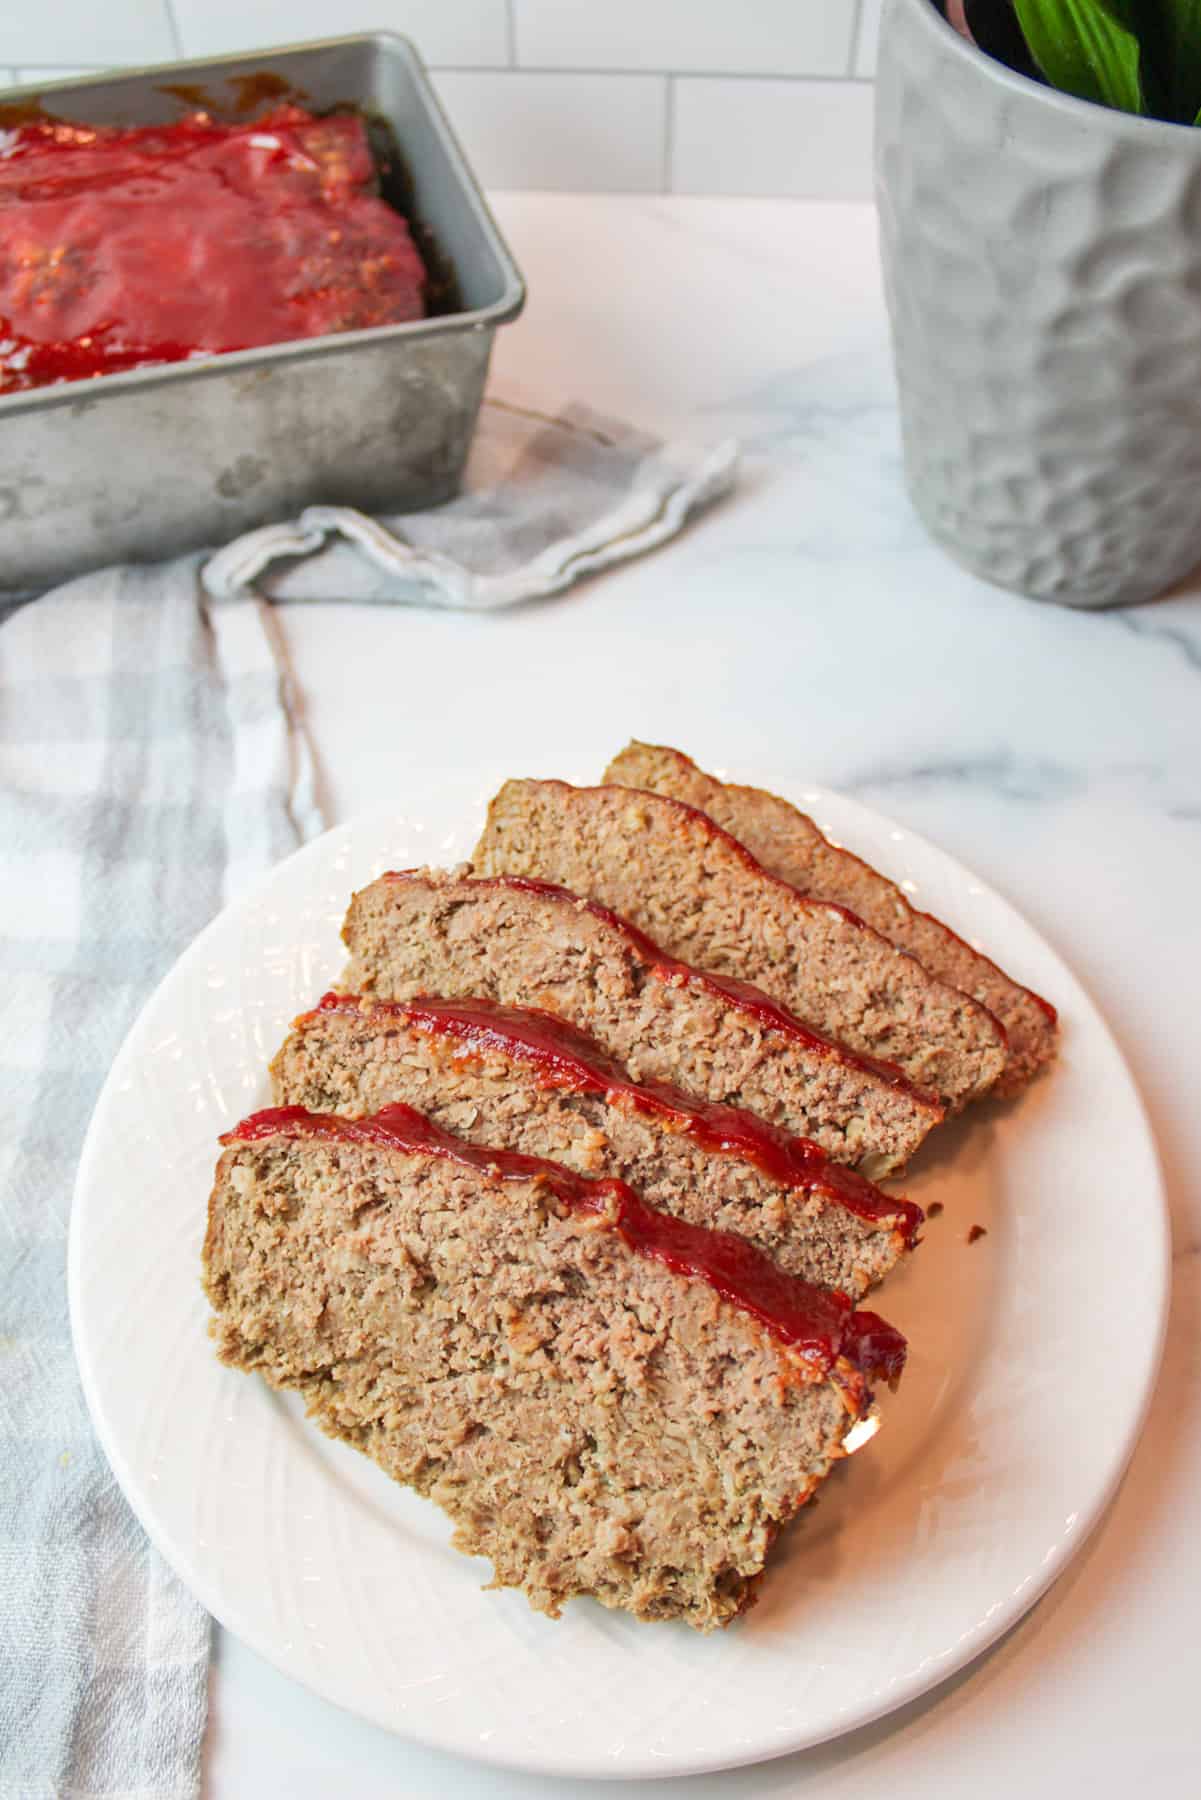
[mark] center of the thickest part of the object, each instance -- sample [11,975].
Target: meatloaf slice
[527,1081]
[702,896]
[787,842]
[527,943]
[604,1399]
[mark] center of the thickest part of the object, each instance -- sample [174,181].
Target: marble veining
[1037,781]
[1145,623]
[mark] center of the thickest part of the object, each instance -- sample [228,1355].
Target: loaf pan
[141,465]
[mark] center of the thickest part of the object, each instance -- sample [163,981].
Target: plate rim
[981,1639]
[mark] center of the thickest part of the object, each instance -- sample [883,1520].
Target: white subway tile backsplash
[762,37]
[602,133]
[869,37]
[78,32]
[467,33]
[806,138]
[696,96]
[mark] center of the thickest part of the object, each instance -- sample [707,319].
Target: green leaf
[1082,49]
[1132,13]
[1148,20]
[1169,33]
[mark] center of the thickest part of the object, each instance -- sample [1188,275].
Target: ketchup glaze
[673,973]
[562,1056]
[127,246]
[820,1326]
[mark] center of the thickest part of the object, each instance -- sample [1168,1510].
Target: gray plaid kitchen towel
[546,501]
[148,769]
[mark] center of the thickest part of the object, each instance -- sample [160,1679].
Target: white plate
[1033,1353]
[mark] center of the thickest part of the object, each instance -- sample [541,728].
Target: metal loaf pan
[142,465]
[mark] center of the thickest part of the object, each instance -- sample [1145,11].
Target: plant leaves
[1082,49]
[1169,35]
[1133,14]
[1148,20]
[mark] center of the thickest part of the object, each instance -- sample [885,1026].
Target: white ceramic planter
[1042,259]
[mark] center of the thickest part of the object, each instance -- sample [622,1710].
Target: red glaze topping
[663,968]
[718,833]
[560,1056]
[735,848]
[738,787]
[875,1346]
[820,1326]
[122,247]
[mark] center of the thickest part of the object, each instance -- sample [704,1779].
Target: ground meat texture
[593,1421]
[522,1081]
[702,896]
[527,943]
[787,842]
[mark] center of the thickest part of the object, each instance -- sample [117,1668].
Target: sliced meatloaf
[701,895]
[528,943]
[786,841]
[527,1081]
[604,1399]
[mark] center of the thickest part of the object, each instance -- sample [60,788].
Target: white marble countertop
[808,625]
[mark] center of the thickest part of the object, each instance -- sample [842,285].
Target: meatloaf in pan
[125,246]
[672,871]
[604,1399]
[788,843]
[528,943]
[527,1081]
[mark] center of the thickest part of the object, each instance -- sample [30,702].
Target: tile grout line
[856,28]
[517,69]
[669,133]
[511,31]
[653,74]
[173,27]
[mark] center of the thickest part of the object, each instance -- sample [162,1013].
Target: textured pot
[1042,260]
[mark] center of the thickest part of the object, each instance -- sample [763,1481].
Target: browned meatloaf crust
[527,943]
[787,842]
[702,896]
[527,1081]
[605,1400]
